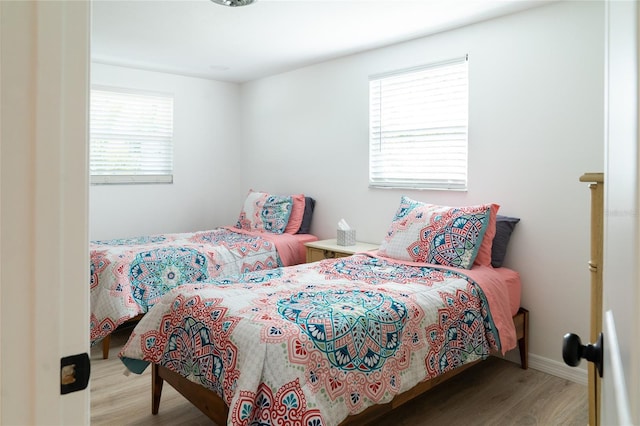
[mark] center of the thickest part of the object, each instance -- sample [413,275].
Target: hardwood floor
[495,392]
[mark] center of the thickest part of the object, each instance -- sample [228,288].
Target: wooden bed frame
[106,341]
[214,407]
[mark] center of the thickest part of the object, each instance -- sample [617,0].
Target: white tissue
[343,225]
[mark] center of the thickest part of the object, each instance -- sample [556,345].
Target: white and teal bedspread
[128,276]
[312,344]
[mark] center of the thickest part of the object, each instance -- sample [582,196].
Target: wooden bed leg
[106,343]
[523,342]
[156,388]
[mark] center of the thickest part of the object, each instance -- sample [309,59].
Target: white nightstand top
[332,245]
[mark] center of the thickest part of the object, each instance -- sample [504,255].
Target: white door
[621,284]
[44,297]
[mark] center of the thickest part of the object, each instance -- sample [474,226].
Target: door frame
[44,311]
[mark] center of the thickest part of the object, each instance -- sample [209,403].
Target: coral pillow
[265,212]
[297,213]
[449,236]
[484,254]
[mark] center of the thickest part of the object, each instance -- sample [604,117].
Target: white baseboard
[559,369]
[549,366]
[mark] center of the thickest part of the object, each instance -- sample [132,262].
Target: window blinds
[131,137]
[418,127]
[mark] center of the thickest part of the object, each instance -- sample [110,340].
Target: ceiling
[237,44]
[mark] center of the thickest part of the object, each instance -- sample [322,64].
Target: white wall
[535,126]
[205,192]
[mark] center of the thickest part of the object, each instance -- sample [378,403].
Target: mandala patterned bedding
[128,276]
[318,342]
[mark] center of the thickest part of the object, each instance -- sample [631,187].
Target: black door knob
[573,351]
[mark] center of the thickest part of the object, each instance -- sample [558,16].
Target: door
[621,286]
[619,318]
[44,297]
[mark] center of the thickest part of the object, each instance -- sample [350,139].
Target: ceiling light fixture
[234,3]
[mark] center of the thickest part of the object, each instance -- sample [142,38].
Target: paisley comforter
[128,276]
[315,343]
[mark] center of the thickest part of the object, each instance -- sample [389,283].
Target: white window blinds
[418,127]
[131,137]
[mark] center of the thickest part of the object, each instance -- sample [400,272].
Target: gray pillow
[504,227]
[309,205]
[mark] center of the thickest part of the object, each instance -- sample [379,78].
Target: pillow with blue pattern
[264,212]
[448,236]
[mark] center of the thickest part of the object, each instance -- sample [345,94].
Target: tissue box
[346,238]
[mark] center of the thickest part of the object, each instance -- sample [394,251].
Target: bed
[128,276]
[337,341]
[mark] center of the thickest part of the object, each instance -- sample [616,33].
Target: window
[418,127]
[131,137]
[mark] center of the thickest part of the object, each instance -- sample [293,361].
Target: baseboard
[549,366]
[559,369]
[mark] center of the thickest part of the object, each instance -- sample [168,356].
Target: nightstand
[329,249]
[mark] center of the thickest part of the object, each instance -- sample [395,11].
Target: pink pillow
[484,253]
[297,213]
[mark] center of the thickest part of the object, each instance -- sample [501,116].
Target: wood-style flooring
[494,392]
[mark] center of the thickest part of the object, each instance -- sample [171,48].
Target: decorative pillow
[449,236]
[484,254]
[504,227]
[265,212]
[309,205]
[297,212]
